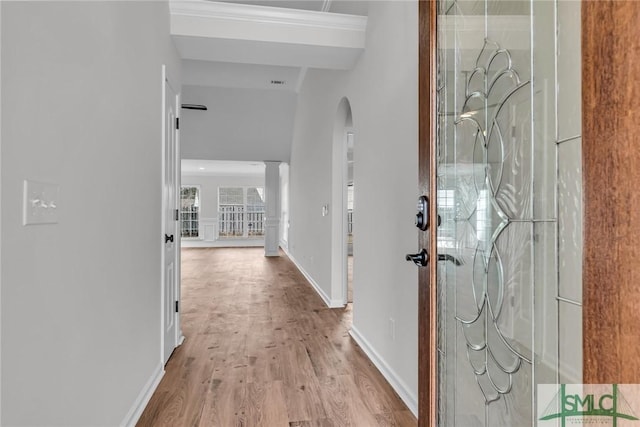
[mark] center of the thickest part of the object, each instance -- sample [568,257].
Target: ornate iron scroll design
[490,89]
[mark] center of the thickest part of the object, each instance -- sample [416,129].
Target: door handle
[447,257]
[168,238]
[421,259]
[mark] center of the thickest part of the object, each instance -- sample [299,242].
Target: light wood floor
[262,349]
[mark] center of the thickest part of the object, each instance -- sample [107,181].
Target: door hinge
[177,122]
[177,215]
[177,306]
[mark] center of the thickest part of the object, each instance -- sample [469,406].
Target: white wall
[240,124]
[382,91]
[209,207]
[82,107]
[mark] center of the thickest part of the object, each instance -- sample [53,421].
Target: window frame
[198,188]
[245,212]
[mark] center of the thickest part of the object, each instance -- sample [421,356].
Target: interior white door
[170,238]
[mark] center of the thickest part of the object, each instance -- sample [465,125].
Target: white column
[272,209]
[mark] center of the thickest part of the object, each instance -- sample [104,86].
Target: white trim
[162,207]
[179,335]
[0,219]
[405,393]
[272,208]
[209,229]
[200,219]
[168,81]
[143,398]
[339,180]
[267,15]
[328,301]
[224,243]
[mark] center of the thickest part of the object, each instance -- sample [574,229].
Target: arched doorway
[343,207]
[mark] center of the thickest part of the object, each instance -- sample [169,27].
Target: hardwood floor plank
[302,389]
[262,350]
[394,419]
[315,423]
[267,405]
[225,403]
[344,403]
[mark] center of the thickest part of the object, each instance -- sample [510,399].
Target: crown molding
[267,15]
[231,32]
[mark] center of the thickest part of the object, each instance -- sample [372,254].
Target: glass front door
[501,240]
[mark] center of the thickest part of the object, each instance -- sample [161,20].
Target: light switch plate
[40,203]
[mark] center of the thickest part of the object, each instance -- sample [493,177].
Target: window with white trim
[190,211]
[240,212]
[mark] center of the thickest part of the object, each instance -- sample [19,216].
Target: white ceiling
[235,75]
[232,50]
[250,34]
[222,168]
[350,7]
[239,124]
[317,5]
[248,43]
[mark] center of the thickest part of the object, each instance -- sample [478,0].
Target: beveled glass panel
[507,191]
[496,198]
[570,219]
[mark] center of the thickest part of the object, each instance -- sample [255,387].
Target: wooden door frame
[611,267]
[427,284]
[0,208]
[611,247]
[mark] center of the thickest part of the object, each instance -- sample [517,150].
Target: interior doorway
[341,227]
[170,295]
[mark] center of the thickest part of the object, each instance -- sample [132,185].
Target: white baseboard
[141,402]
[285,249]
[407,396]
[328,301]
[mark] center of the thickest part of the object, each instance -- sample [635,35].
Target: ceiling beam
[231,32]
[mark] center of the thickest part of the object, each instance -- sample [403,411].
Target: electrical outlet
[40,203]
[392,328]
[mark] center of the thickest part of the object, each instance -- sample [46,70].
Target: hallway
[262,349]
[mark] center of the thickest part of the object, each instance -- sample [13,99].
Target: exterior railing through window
[234,222]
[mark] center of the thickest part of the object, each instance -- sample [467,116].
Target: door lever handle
[168,238]
[447,257]
[421,259]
